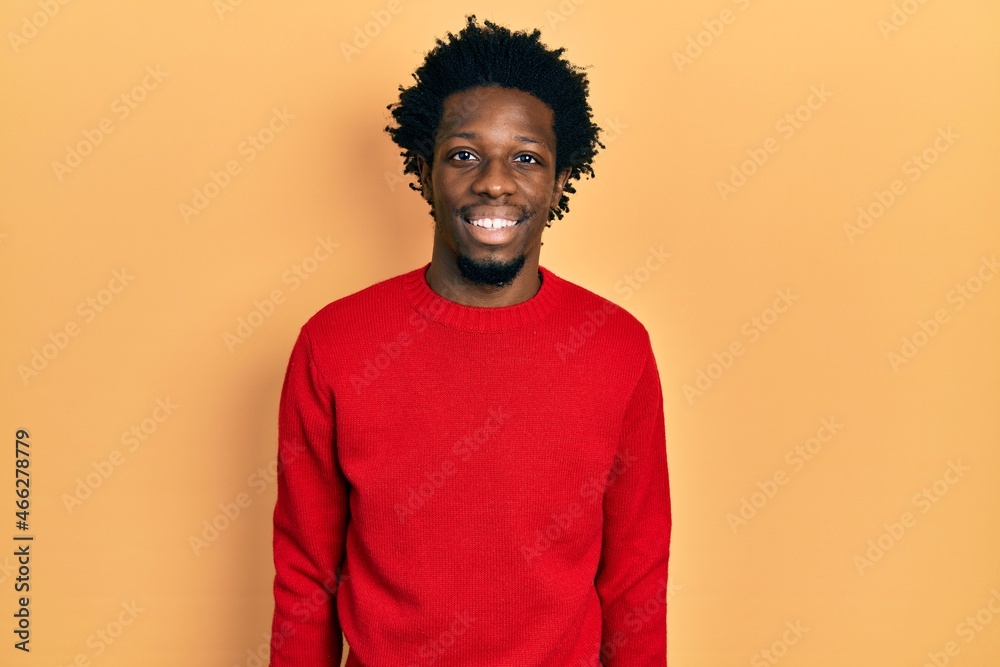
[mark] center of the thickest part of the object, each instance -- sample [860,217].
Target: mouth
[493,226]
[492,223]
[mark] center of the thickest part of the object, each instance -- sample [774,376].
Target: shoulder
[355,309]
[590,312]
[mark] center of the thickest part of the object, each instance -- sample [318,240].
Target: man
[473,463]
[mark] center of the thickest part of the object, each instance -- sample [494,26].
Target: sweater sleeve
[310,520]
[631,578]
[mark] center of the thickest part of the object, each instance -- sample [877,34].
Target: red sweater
[470,486]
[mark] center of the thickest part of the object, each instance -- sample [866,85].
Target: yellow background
[676,128]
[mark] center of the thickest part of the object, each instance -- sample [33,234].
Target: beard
[490,271]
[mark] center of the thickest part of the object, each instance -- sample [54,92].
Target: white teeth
[491,223]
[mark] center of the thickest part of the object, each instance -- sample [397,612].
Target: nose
[494,179]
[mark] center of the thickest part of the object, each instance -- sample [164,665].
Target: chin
[489,271]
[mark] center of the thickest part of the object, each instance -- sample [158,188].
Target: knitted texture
[475,487]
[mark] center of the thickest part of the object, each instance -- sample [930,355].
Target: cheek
[445,183]
[542,189]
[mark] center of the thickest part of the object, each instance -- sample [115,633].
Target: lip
[492,237]
[468,221]
[492,212]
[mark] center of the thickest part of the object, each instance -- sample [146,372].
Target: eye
[463,156]
[526,159]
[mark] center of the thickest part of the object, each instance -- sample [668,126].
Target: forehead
[495,109]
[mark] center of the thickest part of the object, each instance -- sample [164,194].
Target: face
[492,182]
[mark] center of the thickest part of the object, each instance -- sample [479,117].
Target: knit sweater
[467,486]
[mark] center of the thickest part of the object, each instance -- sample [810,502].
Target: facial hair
[490,271]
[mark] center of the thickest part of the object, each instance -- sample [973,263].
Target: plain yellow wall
[821,368]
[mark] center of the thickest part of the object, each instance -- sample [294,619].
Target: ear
[557,190]
[424,168]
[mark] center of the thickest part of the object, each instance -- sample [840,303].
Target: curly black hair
[490,54]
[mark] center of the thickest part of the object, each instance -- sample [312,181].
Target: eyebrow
[473,135]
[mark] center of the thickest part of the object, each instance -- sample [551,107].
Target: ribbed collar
[474,318]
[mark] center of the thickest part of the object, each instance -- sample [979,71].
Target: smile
[492,223]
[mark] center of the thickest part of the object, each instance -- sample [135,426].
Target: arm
[631,577]
[310,520]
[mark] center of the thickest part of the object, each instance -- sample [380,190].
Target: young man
[473,459]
